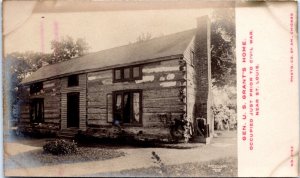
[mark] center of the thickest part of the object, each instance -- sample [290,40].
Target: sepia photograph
[114,89]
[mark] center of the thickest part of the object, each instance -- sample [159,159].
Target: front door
[73,109]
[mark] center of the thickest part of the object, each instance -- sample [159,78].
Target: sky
[28,30]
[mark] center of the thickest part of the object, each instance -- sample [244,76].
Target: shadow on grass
[127,142]
[216,168]
[38,157]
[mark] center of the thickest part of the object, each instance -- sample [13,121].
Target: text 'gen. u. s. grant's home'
[142,90]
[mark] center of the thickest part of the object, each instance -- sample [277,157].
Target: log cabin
[142,90]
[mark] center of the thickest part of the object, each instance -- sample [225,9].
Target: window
[73,80]
[136,72]
[36,87]
[127,107]
[127,74]
[118,74]
[192,57]
[37,110]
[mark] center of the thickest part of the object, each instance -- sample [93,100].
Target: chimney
[202,66]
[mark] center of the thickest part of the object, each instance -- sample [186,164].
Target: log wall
[162,88]
[51,95]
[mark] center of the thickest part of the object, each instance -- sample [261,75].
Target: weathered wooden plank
[161,93]
[128,86]
[52,106]
[96,111]
[155,115]
[96,116]
[101,105]
[163,66]
[153,124]
[162,102]
[55,121]
[52,110]
[52,115]
[173,109]
[52,101]
[98,122]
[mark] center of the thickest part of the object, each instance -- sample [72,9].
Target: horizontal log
[175,109]
[52,115]
[96,117]
[96,104]
[130,85]
[52,110]
[97,98]
[161,93]
[98,122]
[153,124]
[96,111]
[148,116]
[55,121]
[160,103]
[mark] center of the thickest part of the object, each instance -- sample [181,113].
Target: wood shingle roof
[136,53]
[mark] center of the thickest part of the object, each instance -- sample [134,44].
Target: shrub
[60,147]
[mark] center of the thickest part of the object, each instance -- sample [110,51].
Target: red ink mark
[292,156]
[291,47]
[250,90]
[56,32]
[42,36]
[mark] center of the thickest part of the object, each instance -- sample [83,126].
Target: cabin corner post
[203,74]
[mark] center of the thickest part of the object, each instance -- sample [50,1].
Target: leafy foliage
[224,107]
[21,65]
[223,65]
[225,117]
[143,37]
[223,59]
[67,49]
[60,147]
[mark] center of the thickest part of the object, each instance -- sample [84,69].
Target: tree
[20,65]
[67,49]
[223,59]
[23,64]
[143,37]
[223,65]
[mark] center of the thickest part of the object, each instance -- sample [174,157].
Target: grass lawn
[215,168]
[38,158]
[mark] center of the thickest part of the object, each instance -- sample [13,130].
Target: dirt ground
[219,158]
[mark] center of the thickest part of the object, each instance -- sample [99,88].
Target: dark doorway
[73,109]
[37,110]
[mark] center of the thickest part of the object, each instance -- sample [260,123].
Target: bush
[224,117]
[60,147]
